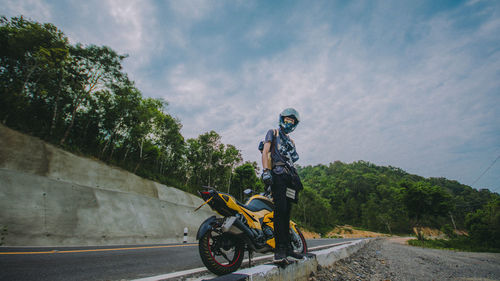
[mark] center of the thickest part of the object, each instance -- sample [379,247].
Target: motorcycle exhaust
[228,226]
[234,224]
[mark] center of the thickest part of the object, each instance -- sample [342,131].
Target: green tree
[33,59]
[484,225]
[210,162]
[93,68]
[424,201]
[245,176]
[312,211]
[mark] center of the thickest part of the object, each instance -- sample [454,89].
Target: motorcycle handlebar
[267,193]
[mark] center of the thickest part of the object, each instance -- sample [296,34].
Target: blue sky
[412,84]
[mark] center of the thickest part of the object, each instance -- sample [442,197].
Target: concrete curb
[299,270]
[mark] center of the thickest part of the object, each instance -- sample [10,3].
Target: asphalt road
[104,263]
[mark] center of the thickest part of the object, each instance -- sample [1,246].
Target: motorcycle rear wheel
[221,253]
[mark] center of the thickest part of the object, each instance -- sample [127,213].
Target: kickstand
[250,254]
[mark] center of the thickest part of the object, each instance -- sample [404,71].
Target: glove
[267,178]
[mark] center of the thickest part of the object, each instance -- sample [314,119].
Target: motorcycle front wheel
[221,253]
[299,244]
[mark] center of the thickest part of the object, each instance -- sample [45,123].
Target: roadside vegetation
[462,243]
[79,98]
[483,236]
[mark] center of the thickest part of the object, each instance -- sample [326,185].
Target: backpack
[261,147]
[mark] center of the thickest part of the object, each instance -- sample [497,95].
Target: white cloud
[354,108]
[193,9]
[391,88]
[28,8]
[129,17]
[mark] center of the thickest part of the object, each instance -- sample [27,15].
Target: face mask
[288,127]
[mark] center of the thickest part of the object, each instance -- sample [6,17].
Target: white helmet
[292,113]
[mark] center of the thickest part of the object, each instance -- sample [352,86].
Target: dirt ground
[392,259]
[400,240]
[309,234]
[345,231]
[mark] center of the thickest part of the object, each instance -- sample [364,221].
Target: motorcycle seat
[254,208]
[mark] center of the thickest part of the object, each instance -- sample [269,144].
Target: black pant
[282,209]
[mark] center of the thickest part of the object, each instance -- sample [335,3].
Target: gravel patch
[389,259]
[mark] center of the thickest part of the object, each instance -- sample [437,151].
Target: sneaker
[294,255]
[280,257]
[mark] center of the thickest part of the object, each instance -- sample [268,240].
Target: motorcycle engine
[268,232]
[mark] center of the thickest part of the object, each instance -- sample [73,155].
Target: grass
[461,243]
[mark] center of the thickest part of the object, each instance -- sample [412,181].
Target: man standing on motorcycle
[283,178]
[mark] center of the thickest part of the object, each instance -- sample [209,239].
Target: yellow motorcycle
[223,240]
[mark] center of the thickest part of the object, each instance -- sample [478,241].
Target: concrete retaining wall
[50,197]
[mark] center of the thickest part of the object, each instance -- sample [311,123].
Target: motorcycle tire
[302,247]
[211,247]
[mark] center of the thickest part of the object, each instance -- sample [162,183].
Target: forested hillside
[79,98]
[391,200]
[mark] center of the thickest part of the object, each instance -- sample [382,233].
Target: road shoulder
[393,259]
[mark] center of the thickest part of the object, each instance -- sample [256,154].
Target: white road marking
[204,269]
